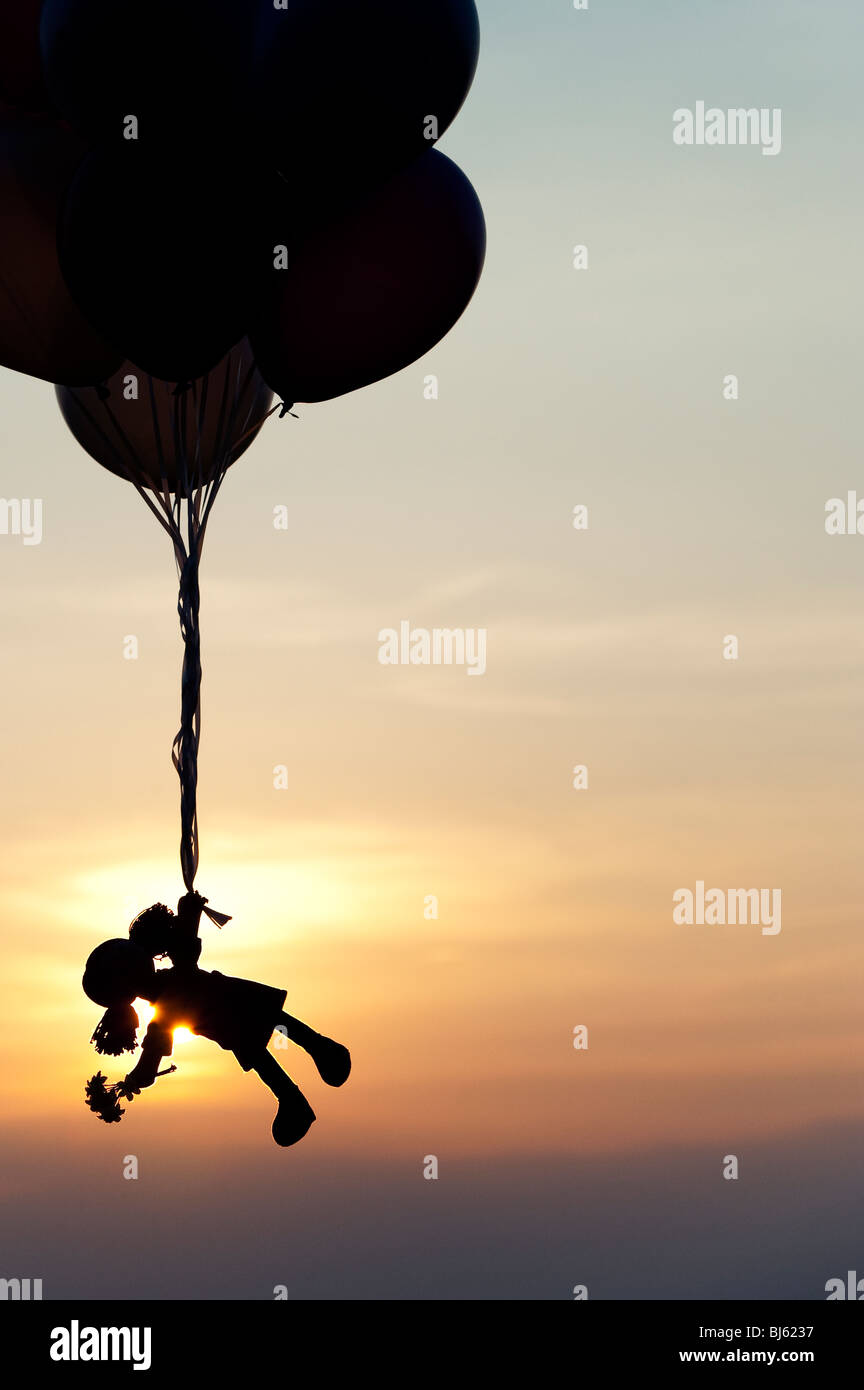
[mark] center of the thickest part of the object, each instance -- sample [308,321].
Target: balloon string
[199,492]
[256,426]
[133,473]
[184,750]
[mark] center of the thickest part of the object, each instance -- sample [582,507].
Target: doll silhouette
[239,1015]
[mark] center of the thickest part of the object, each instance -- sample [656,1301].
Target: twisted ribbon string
[184,750]
[198,489]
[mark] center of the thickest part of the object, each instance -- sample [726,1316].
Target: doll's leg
[331,1058]
[295,1115]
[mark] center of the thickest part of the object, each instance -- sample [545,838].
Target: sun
[146,1013]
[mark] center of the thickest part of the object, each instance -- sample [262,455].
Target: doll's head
[116,973]
[151,930]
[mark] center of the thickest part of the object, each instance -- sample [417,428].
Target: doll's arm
[157,1044]
[186,947]
[189,910]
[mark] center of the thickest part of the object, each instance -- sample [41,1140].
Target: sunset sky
[601,387]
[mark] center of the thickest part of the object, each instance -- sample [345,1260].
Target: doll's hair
[116,1032]
[151,930]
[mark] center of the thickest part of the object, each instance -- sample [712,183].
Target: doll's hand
[191,902]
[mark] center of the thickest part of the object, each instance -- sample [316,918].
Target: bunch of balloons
[182,177]
[206,202]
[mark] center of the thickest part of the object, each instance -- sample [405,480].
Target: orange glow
[146,1014]
[454,924]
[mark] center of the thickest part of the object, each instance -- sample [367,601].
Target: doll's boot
[331,1058]
[294,1118]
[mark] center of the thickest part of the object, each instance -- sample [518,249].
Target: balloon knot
[286,410]
[181,387]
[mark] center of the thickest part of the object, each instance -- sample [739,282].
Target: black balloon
[159,254]
[180,67]
[42,330]
[21,81]
[346,90]
[375,291]
[144,425]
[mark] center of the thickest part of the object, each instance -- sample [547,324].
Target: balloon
[159,254]
[42,331]
[348,88]
[21,81]
[226,408]
[376,291]
[180,67]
